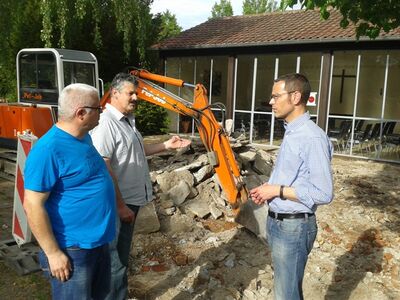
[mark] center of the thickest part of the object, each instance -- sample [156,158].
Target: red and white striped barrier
[20,229]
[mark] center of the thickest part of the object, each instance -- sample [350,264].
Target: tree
[169,26]
[223,9]
[19,26]
[369,17]
[258,6]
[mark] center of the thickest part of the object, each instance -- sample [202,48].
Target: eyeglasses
[277,96]
[98,108]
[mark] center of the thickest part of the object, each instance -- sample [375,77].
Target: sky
[190,13]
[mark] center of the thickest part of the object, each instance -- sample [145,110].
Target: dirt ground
[356,255]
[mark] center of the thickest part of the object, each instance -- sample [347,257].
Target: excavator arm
[211,133]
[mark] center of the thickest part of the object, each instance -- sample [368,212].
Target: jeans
[290,241]
[119,250]
[90,277]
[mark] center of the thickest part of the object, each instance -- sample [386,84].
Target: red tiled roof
[295,26]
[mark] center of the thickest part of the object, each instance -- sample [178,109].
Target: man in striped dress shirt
[301,180]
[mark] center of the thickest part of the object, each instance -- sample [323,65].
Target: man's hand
[60,266]
[176,142]
[125,213]
[265,192]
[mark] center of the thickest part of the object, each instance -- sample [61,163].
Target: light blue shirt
[304,163]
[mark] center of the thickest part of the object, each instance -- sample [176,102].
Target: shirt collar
[117,114]
[296,123]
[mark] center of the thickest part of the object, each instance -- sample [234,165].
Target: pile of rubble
[187,245]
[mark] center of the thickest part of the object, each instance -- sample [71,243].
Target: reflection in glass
[242,124]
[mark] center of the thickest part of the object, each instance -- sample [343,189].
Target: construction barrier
[20,229]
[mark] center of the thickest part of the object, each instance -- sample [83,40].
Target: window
[75,72]
[38,78]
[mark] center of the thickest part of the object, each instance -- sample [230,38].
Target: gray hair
[121,78]
[74,96]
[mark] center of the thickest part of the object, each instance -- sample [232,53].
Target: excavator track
[8,160]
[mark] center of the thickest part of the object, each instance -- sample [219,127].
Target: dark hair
[296,82]
[121,78]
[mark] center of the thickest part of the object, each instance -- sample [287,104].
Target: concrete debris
[179,193]
[147,219]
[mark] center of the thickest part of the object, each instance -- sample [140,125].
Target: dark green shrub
[151,119]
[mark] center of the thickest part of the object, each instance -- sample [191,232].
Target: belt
[280,216]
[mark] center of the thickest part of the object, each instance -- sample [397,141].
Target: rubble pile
[187,245]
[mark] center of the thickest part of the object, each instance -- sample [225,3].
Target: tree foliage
[118,32]
[169,26]
[222,9]
[151,119]
[251,7]
[369,16]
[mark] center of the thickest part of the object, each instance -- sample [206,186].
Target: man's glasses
[277,96]
[98,108]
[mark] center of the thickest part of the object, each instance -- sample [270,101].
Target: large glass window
[203,71]
[264,82]
[310,66]
[392,102]
[242,123]
[187,75]
[219,79]
[173,69]
[343,83]
[262,128]
[371,84]
[244,82]
[287,64]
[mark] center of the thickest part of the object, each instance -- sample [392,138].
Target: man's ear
[113,92]
[80,113]
[297,98]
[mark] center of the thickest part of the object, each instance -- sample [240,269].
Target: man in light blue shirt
[300,181]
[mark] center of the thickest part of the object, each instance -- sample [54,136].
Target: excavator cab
[42,73]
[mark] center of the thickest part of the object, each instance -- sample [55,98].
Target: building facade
[355,83]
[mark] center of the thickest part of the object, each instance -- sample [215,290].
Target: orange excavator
[42,74]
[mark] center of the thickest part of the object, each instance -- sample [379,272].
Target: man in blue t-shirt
[70,200]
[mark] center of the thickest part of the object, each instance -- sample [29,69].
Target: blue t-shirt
[81,204]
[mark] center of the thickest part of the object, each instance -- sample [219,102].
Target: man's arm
[124,212]
[39,223]
[267,192]
[173,143]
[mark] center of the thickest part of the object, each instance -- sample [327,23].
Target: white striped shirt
[304,163]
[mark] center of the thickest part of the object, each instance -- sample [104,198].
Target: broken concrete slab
[147,219]
[179,193]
